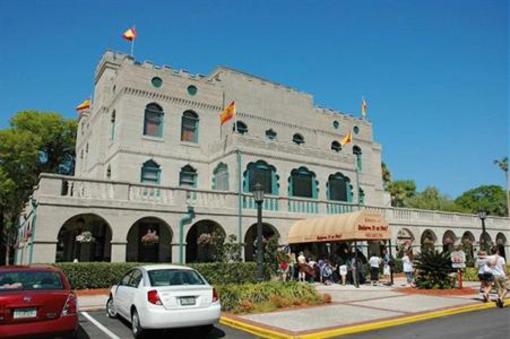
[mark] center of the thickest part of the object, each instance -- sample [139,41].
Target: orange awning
[360,225]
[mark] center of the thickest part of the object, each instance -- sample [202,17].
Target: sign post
[458,259]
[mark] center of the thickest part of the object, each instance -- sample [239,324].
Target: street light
[258,195]
[482,214]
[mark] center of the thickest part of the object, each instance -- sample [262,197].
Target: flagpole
[132,47]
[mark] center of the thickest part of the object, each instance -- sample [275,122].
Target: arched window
[298,139]
[263,173]
[189,126]
[220,177]
[241,127]
[302,183]
[339,188]
[335,146]
[150,172]
[153,123]
[188,176]
[270,134]
[357,152]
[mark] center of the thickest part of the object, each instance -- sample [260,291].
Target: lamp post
[482,215]
[258,195]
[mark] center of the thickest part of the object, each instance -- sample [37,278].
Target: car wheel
[136,328]
[110,308]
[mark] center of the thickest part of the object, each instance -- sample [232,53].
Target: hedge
[471,273]
[104,274]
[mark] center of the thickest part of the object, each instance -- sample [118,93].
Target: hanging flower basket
[85,237]
[150,237]
[204,239]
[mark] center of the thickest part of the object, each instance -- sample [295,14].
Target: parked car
[36,300]
[164,296]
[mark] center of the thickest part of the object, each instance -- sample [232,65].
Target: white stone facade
[112,149]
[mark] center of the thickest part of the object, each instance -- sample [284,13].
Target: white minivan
[164,296]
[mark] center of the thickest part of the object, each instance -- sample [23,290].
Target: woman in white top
[407,262]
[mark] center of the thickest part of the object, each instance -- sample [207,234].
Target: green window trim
[355,129]
[153,121]
[303,172]
[339,177]
[150,173]
[189,126]
[220,180]
[356,150]
[188,176]
[261,166]
[157,82]
[192,90]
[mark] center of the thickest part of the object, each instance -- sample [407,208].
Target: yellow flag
[84,105]
[347,139]
[228,113]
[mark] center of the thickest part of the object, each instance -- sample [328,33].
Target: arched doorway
[501,242]
[149,240]
[85,237]
[405,241]
[449,239]
[250,239]
[428,240]
[468,241]
[485,242]
[202,240]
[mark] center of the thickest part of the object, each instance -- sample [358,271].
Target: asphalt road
[486,324]
[122,329]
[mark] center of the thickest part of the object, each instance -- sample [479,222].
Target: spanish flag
[84,105]
[130,34]
[228,113]
[347,139]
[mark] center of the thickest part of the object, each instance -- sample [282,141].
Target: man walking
[498,267]
[375,263]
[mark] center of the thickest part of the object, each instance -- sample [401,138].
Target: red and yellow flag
[84,105]
[130,34]
[228,113]
[347,139]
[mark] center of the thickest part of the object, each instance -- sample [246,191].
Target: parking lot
[97,326]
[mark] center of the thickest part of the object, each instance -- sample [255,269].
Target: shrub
[104,274]
[433,269]
[235,298]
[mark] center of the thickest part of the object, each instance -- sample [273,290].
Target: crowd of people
[344,269]
[492,274]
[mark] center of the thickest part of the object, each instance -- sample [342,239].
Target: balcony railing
[100,190]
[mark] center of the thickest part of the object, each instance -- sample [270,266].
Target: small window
[335,146]
[150,172]
[188,176]
[336,124]
[356,129]
[153,121]
[298,139]
[189,126]
[114,89]
[109,172]
[87,148]
[270,134]
[241,127]
[156,82]
[192,90]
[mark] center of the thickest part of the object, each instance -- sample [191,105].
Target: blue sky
[435,73]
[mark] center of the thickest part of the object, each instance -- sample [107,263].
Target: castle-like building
[157,175]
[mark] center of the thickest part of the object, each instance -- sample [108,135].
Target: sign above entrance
[361,225]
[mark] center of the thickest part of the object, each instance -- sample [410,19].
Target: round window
[157,82]
[356,129]
[192,90]
[336,124]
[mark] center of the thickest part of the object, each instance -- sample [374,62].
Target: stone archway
[202,239]
[84,237]
[485,242]
[501,243]
[468,242]
[428,240]
[449,239]
[250,239]
[405,240]
[149,240]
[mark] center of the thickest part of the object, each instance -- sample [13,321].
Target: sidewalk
[352,310]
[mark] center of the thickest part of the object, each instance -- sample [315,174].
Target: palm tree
[503,164]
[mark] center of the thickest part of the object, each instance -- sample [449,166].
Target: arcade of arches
[87,237]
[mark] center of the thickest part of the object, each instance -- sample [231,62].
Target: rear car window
[173,277]
[30,280]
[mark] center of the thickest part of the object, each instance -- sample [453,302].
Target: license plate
[185,301]
[22,313]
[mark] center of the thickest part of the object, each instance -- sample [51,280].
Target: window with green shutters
[153,122]
[150,172]
[220,177]
[339,188]
[356,150]
[188,176]
[189,126]
[302,183]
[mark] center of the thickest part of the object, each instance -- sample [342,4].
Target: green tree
[401,191]
[490,198]
[386,175]
[503,165]
[35,142]
[431,199]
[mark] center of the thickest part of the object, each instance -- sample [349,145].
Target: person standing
[386,267]
[484,275]
[498,267]
[375,263]
[301,267]
[407,261]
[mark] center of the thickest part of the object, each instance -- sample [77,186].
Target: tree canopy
[35,142]
[490,198]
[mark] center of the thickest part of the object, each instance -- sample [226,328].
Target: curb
[267,333]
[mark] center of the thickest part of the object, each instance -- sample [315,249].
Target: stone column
[118,251]
[176,253]
[43,252]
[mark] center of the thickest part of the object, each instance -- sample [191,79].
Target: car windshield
[173,277]
[30,280]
